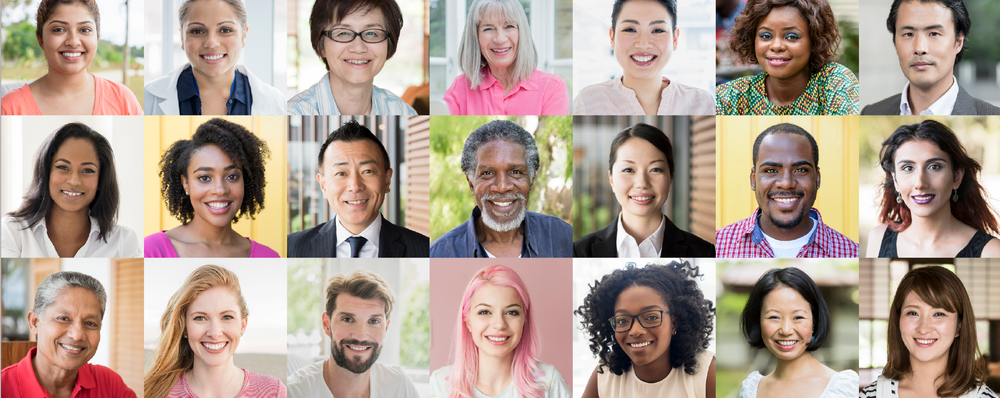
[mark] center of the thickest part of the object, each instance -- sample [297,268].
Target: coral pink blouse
[110,98]
[542,94]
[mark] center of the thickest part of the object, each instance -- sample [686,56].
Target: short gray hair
[470,56]
[55,284]
[499,130]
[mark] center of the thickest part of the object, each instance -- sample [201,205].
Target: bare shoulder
[992,248]
[591,390]
[875,240]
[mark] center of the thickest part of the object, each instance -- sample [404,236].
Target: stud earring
[899,198]
[954,195]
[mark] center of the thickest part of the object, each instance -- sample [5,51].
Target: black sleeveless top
[972,250]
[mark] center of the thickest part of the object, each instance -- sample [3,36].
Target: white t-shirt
[19,241]
[790,248]
[386,381]
[842,385]
[553,384]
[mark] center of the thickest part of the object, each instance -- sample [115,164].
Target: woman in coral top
[67,32]
[499,60]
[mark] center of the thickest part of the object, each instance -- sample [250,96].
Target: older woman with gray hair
[66,318]
[498,59]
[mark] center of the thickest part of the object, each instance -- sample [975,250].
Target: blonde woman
[199,333]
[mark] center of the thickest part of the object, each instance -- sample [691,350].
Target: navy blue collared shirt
[545,236]
[189,97]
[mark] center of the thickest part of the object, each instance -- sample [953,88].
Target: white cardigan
[161,95]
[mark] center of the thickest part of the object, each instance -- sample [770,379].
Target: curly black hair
[688,306]
[245,149]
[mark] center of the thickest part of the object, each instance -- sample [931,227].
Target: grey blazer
[394,241]
[964,105]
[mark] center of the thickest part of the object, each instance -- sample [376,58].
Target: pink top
[542,94]
[613,98]
[254,386]
[158,246]
[110,99]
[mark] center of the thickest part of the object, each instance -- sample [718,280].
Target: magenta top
[254,386]
[158,246]
[542,94]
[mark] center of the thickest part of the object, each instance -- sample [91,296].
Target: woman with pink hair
[495,352]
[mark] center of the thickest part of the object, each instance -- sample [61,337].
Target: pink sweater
[158,246]
[542,94]
[254,386]
[110,99]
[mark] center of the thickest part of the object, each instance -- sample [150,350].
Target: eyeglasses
[344,35]
[648,319]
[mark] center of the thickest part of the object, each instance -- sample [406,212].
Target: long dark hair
[37,202]
[974,211]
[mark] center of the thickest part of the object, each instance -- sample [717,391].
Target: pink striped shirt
[542,94]
[745,239]
[254,386]
[613,98]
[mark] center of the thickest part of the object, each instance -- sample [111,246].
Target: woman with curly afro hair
[650,328]
[208,183]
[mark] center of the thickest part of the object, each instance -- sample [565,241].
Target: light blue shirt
[318,100]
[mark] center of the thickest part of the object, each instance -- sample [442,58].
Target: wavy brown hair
[939,288]
[173,353]
[972,207]
[824,34]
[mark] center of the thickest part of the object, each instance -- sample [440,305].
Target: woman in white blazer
[213,34]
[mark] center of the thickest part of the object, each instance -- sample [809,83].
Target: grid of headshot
[500,199]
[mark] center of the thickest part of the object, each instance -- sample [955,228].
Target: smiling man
[355,176]
[356,320]
[785,179]
[500,160]
[929,36]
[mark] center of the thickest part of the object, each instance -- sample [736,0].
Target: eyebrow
[67,23]
[490,306]
[637,22]
[633,162]
[776,164]
[218,24]
[644,309]
[206,168]
[207,313]
[81,164]
[932,27]
[362,163]
[942,160]
[787,28]
[86,316]
[351,314]
[344,25]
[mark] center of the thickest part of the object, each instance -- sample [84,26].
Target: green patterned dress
[831,91]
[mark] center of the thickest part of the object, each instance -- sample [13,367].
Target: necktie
[357,242]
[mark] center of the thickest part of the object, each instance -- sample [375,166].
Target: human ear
[611,34]
[677,32]
[326,324]
[388,182]
[184,183]
[33,321]
[959,174]
[753,179]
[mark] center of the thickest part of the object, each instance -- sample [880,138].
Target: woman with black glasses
[354,38]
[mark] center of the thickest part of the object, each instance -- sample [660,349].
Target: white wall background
[23,135]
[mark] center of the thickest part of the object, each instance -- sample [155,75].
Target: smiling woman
[67,32]
[209,182]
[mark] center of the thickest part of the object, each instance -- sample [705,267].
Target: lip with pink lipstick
[639,347]
[214,58]
[924,343]
[778,61]
[72,55]
[922,199]
[219,207]
[358,63]
[786,345]
[642,59]
[501,51]
[497,339]
[71,194]
[214,347]
[642,199]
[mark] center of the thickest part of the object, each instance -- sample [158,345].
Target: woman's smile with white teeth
[213,57]
[645,58]
[492,338]
[501,50]
[72,54]
[925,341]
[214,347]
[640,345]
[219,205]
[786,342]
[72,193]
[357,61]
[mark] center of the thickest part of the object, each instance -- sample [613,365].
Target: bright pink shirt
[158,245]
[95,381]
[110,98]
[542,94]
[254,386]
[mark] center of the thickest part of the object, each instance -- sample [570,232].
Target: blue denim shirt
[547,236]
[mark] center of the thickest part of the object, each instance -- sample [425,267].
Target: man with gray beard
[500,160]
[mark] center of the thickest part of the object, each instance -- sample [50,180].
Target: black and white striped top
[887,388]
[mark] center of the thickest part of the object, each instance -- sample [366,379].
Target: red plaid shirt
[745,239]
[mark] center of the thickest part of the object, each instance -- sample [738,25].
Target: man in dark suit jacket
[354,180]
[929,37]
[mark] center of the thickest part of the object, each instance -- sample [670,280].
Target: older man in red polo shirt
[66,318]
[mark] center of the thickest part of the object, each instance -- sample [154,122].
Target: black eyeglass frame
[329,35]
[635,318]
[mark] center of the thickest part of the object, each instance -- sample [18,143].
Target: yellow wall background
[269,226]
[837,138]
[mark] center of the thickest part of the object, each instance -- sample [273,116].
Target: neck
[202,231]
[66,223]
[495,374]
[779,233]
[214,380]
[796,369]
[222,83]
[344,383]
[648,91]
[640,228]
[504,77]
[921,98]
[927,374]
[785,91]
[352,99]
[55,381]
[61,84]
[654,371]
[938,226]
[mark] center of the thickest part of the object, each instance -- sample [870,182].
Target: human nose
[784,180]
[354,183]
[74,179]
[920,45]
[644,41]
[357,45]
[637,328]
[211,40]
[641,180]
[73,38]
[75,331]
[785,327]
[219,187]
[503,183]
[921,180]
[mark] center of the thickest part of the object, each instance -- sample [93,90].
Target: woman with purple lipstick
[643,35]
[208,183]
[786,314]
[932,203]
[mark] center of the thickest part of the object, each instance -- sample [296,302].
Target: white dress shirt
[20,241]
[369,250]
[943,106]
[628,248]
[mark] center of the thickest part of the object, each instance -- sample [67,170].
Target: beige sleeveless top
[677,384]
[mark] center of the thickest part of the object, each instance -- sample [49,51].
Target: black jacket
[676,243]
